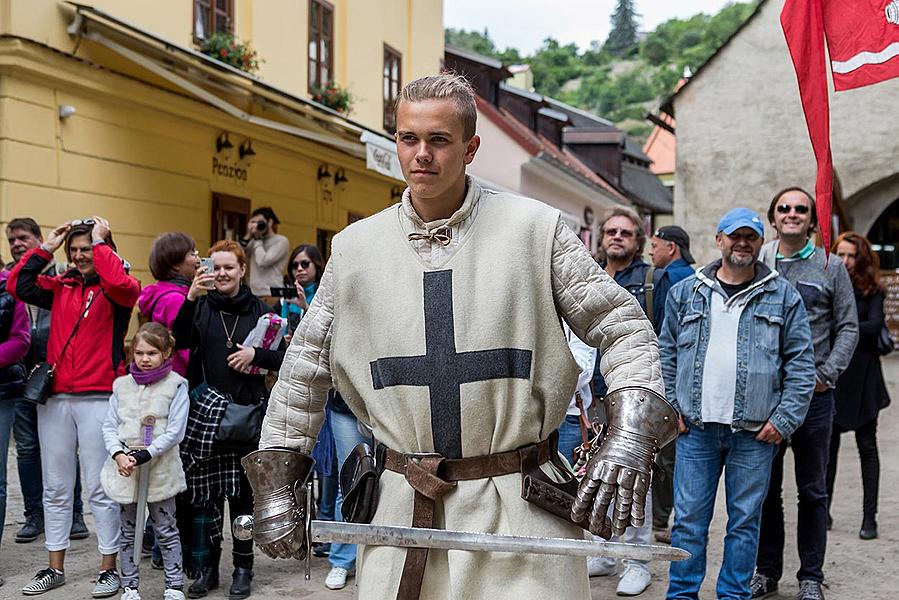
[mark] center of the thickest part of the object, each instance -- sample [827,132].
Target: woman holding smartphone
[217,315]
[304,271]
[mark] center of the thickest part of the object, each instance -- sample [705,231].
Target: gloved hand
[278,478]
[639,424]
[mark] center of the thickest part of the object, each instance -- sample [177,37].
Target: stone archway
[874,212]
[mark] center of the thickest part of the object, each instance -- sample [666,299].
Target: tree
[622,40]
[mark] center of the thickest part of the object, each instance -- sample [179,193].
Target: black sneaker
[108,584]
[156,563]
[810,590]
[44,581]
[79,529]
[762,586]
[31,530]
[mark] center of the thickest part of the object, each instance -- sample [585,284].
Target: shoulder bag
[885,343]
[40,380]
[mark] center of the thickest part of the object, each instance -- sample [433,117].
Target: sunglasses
[89,222]
[302,264]
[784,209]
[625,233]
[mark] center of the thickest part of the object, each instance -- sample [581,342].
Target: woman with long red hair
[861,392]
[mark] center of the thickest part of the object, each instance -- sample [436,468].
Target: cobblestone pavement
[854,568]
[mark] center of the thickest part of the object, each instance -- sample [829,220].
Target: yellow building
[110,109]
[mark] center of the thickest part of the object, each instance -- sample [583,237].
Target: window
[393,66]
[213,16]
[321,44]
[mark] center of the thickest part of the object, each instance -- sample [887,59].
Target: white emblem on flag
[892,12]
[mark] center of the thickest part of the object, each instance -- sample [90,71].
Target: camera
[286,292]
[261,226]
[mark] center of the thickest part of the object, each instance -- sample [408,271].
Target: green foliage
[334,96]
[226,48]
[620,78]
[622,40]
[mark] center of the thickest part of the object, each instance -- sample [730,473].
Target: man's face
[740,248]
[661,252]
[793,214]
[431,146]
[21,241]
[619,238]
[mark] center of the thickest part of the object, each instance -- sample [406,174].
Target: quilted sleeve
[604,315]
[296,407]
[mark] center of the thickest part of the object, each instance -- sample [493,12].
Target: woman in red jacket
[96,296]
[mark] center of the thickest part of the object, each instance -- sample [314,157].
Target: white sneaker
[170,594]
[130,594]
[336,579]
[634,580]
[599,566]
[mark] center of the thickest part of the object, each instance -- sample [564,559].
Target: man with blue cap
[738,364]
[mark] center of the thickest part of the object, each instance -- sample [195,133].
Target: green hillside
[617,79]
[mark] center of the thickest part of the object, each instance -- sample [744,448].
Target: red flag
[863,41]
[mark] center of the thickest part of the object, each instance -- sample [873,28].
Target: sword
[414,537]
[143,485]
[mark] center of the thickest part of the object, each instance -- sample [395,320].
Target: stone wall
[741,136]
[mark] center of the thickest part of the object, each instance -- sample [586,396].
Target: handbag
[359,478]
[40,380]
[885,343]
[241,425]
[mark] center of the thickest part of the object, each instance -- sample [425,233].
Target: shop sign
[380,155]
[222,167]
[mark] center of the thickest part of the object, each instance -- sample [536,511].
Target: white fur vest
[134,403]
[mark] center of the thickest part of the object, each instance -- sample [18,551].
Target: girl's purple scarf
[150,377]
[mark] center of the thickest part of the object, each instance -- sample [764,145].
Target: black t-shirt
[733,288]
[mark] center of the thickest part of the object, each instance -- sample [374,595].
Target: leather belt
[432,476]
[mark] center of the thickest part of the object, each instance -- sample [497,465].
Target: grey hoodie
[830,302]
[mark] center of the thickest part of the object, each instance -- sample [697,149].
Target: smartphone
[210,270]
[287,291]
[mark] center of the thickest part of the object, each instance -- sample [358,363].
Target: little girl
[145,423]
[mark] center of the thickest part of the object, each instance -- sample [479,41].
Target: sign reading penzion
[223,169]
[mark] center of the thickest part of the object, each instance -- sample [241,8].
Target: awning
[224,87]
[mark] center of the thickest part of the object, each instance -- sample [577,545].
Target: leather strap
[432,476]
[467,469]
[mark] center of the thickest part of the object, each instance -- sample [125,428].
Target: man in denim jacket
[738,364]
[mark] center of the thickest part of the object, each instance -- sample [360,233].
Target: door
[229,217]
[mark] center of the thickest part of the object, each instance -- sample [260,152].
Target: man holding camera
[267,251]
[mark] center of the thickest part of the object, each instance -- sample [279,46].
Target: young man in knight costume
[461,368]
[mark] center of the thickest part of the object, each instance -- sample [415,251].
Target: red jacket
[96,354]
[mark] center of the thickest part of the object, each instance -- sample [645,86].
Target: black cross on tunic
[443,369]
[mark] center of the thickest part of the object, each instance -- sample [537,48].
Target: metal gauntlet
[278,479]
[639,423]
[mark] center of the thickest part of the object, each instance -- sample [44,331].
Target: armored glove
[278,478]
[639,423]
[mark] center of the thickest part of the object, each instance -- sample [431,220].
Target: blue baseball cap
[740,217]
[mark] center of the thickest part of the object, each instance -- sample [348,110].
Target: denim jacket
[775,356]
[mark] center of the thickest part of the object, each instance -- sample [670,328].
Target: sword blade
[143,484]
[413,537]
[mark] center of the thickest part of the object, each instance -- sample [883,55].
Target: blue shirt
[665,278]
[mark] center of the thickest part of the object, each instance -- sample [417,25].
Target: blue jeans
[7,416]
[346,436]
[700,456]
[569,437]
[811,449]
[28,461]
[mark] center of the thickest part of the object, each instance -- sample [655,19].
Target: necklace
[229,344]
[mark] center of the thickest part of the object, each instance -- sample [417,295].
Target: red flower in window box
[226,48]
[335,97]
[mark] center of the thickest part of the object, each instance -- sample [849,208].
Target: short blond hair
[445,85]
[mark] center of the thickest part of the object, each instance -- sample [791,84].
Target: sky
[524,24]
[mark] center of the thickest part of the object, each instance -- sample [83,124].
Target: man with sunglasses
[622,243]
[830,302]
